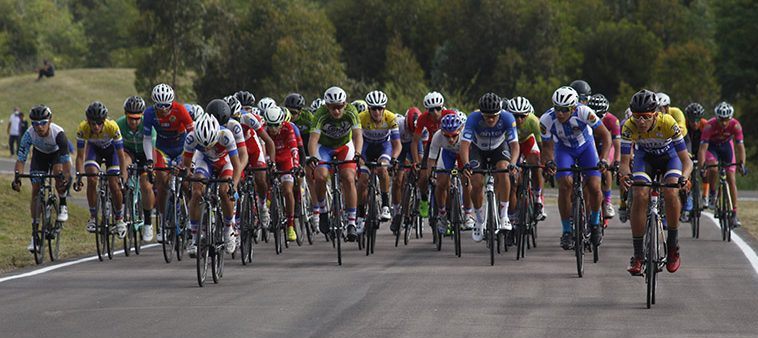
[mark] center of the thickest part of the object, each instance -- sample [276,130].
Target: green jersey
[132,138]
[304,121]
[335,132]
[530,126]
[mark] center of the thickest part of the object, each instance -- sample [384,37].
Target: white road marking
[746,249]
[63,265]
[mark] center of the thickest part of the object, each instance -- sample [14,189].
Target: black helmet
[599,104]
[490,103]
[219,109]
[695,110]
[40,112]
[582,88]
[96,111]
[294,101]
[643,101]
[134,104]
[246,98]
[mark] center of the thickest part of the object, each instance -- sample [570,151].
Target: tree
[686,72]
[736,27]
[404,78]
[108,25]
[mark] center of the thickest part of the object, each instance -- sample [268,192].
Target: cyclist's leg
[398,179]
[146,191]
[224,170]
[91,166]
[424,183]
[112,167]
[161,179]
[642,171]
[564,158]
[368,154]
[320,178]
[711,181]
[347,181]
[606,186]
[502,156]
[289,196]
[589,158]
[384,177]
[445,161]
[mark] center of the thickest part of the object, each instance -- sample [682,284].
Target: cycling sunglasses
[376,108]
[435,109]
[40,123]
[451,135]
[643,116]
[563,109]
[162,105]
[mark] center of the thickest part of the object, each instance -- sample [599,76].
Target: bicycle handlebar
[721,165]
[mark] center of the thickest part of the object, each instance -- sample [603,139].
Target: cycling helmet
[245,98]
[335,95]
[196,111]
[220,110]
[294,101]
[40,112]
[274,116]
[490,103]
[724,110]
[376,99]
[134,105]
[207,128]
[520,105]
[411,117]
[462,116]
[316,104]
[234,105]
[565,97]
[451,123]
[255,110]
[663,99]
[694,110]
[360,105]
[599,104]
[643,101]
[582,89]
[96,111]
[433,100]
[287,114]
[163,94]
[266,102]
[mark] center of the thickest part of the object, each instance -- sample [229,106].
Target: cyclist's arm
[238,167]
[547,150]
[464,151]
[512,138]
[358,139]
[80,150]
[25,146]
[122,163]
[624,169]
[602,133]
[270,146]
[147,146]
[62,141]
[684,156]
[414,154]
[739,152]
[313,142]
[701,153]
[515,152]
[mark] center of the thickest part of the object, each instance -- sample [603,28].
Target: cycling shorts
[376,152]
[222,168]
[723,152]
[448,159]
[584,156]
[343,153]
[489,158]
[646,165]
[529,147]
[107,155]
[405,153]
[42,163]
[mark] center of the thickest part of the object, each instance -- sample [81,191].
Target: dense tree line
[695,50]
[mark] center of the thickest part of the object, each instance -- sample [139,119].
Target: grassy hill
[68,94]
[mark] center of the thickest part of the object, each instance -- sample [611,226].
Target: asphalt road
[409,291]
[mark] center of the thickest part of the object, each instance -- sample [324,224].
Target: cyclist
[381,136]
[265,103]
[600,105]
[260,148]
[664,104]
[530,142]
[721,140]
[360,105]
[493,133]
[131,129]
[658,146]
[429,121]
[212,150]
[303,119]
[569,131]
[695,124]
[406,126]
[582,89]
[171,122]
[104,143]
[50,153]
[286,158]
[316,104]
[336,132]
[445,151]
[233,125]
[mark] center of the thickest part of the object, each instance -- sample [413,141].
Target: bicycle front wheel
[651,258]
[52,231]
[579,224]
[203,248]
[168,226]
[491,214]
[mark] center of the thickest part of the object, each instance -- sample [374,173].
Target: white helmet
[433,100]
[206,131]
[197,111]
[520,105]
[663,99]
[234,104]
[462,116]
[335,95]
[376,99]
[274,116]
[724,110]
[316,104]
[163,94]
[565,97]
[255,110]
[266,102]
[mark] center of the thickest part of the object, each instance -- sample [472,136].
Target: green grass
[15,229]
[68,94]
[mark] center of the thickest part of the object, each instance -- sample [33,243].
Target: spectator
[23,124]
[14,130]
[47,70]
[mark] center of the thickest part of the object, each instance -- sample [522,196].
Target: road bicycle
[210,236]
[105,228]
[47,210]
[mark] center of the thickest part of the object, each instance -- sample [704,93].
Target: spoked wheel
[579,236]
[169,235]
[182,237]
[217,251]
[51,231]
[247,233]
[138,222]
[338,239]
[203,249]
[128,220]
[651,264]
[39,244]
[99,232]
[106,230]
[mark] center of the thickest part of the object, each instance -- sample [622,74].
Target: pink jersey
[611,123]
[715,133]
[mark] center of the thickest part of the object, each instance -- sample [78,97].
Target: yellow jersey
[110,134]
[678,116]
[379,132]
[663,138]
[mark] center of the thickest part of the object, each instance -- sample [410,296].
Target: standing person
[23,124]
[14,130]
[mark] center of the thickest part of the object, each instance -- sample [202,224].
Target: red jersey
[286,144]
[429,122]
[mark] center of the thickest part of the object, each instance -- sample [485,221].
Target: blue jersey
[170,129]
[478,133]
[573,133]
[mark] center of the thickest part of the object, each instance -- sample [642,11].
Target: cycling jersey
[611,122]
[379,132]
[335,132]
[251,125]
[678,116]
[694,134]
[575,132]
[304,122]
[663,138]
[54,142]
[427,124]
[484,137]
[715,133]
[170,129]
[530,126]
[286,146]
[217,152]
[109,134]
[132,138]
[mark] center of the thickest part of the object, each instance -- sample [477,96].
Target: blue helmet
[451,123]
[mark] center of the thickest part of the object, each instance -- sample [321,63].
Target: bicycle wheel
[203,246]
[579,223]
[99,229]
[182,235]
[695,214]
[168,226]
[246,230]
[651,259]
[491,214]
[215,250]
[51,230]
[38,235]
[455,220]
[105,225]
[128,220]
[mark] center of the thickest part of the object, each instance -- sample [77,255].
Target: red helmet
[411,117]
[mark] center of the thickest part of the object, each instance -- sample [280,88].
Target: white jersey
[225,146]
[440,142]
[236,129]
[575,132]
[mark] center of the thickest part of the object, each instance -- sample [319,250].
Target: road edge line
[746,249]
